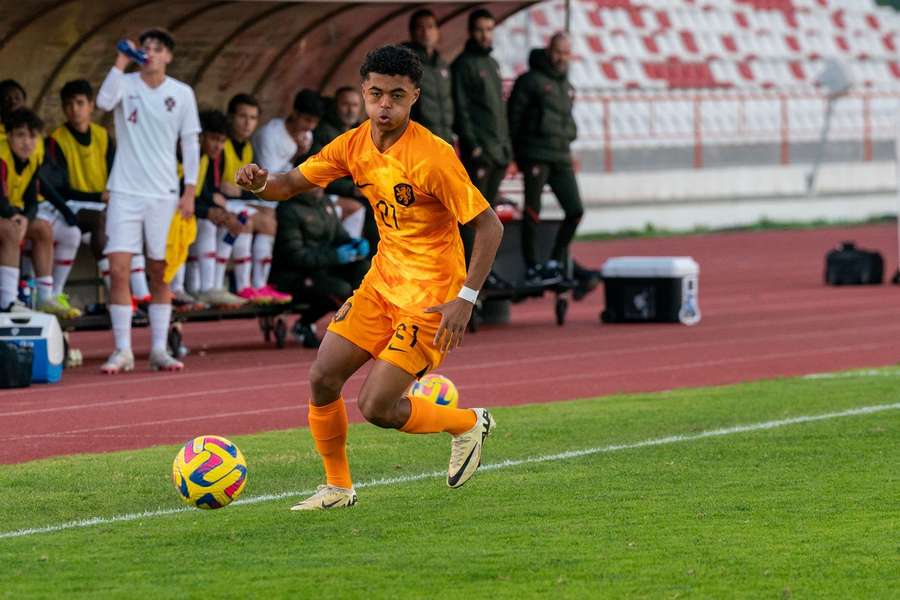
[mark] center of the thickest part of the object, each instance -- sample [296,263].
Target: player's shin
[328,426]
[426,417]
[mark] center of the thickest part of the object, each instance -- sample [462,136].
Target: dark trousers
[324,290]
[561,178]
[487,177]
[93,222]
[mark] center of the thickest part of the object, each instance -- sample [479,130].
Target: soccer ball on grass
[209,472]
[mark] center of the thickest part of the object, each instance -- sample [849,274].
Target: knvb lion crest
[170,103]
[403,194]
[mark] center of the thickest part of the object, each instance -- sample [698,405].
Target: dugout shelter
[268,48]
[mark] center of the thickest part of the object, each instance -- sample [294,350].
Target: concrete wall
[688,198]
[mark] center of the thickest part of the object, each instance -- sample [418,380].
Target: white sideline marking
[489,347]
[853,374]
[672,439]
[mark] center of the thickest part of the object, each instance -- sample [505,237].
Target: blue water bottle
[229,238]
[134,54]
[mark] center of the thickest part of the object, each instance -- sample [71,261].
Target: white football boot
[161,360]
[465,453]
[328,496]
[120,361]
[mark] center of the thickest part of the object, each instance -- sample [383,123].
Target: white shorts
[239,206]
[78,205]
[134,223]
[47,212]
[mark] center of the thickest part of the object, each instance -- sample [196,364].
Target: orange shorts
[389,333]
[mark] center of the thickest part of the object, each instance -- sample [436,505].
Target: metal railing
[613,121]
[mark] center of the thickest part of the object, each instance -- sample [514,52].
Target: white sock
[9,286]
[242,261]
[103,268]
[66,242]
[262,258]
[159,325]
[206,254]
[44,288]
[177,284]
[223,255]
[139,287]
[354,223]
[120,316]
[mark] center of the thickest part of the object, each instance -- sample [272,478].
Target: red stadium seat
[738,43]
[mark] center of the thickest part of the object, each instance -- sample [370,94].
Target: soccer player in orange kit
[416,300]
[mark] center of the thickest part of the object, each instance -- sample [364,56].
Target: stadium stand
[746,69]
[669,44]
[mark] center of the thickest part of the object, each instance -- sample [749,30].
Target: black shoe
[549,273]
[305,335]
[140,318]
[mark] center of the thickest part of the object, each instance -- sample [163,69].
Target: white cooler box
[660,289]
[41,332]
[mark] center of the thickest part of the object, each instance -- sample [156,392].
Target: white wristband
[468,294]
[259,189]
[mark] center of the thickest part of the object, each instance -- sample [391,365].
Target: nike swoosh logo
[391,347]
[330,505]
[455,478]
[362,185]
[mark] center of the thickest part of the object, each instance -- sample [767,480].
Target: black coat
[480,120]
[434,108]
[540,113]
[309,232]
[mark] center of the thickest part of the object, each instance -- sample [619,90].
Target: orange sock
[328,425]
[425,417]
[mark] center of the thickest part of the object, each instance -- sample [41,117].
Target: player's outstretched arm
[488,235]
[272,186]
[456,313]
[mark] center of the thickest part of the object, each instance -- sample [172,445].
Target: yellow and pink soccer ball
[209,472]
[437,389]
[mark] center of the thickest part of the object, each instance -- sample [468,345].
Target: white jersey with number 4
[149,123]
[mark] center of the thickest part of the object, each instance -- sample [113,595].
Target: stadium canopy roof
[268,48]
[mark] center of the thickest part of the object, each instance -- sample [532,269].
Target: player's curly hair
[213,121]
[392,60]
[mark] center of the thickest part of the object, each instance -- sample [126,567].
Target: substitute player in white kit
[153,113]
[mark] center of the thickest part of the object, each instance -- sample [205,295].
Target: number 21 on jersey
[388,214]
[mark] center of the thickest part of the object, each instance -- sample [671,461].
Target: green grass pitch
[779,509]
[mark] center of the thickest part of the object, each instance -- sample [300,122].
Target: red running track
[765,312]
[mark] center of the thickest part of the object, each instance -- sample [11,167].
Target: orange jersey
[419,191]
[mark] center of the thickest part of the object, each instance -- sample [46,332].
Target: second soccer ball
[435,388]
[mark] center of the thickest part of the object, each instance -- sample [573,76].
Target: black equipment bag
[848,265]
[15,365]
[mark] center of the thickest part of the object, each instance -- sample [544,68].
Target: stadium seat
[762,46]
